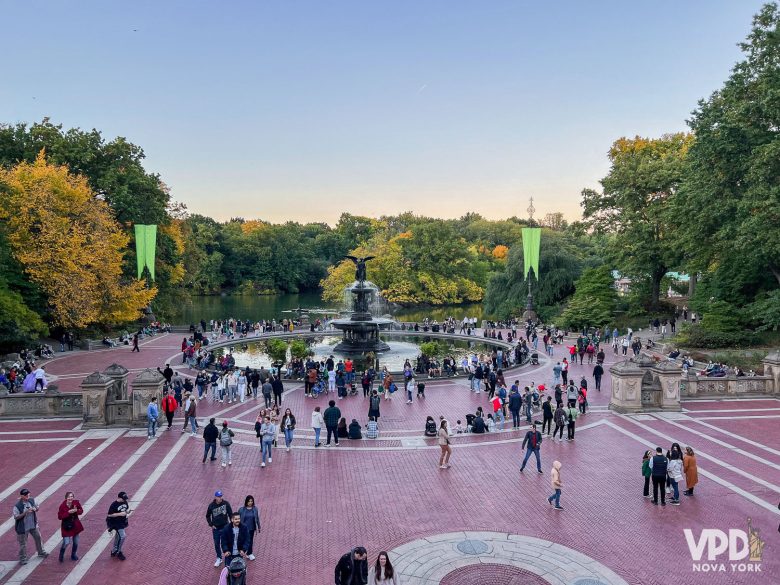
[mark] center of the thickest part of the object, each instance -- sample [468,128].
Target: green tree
[634,207]
[19,325]
[594,300]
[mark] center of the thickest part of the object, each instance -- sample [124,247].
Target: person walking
[352,568]
[559,416]
[70,525]
[25,513]
[528,403]
[598,372]
[250,517]
[515,404]
[268,389]
[547,411]
[226,443]
[317,423]
[571,422]
[135,343]
[268,433]
[331,416]
[571,394]
[152,414]
[565,372]
[373,405]
[555,481]
[190,410]
[444,444]
[532,444]
[658,468]
[646,472]
[410,384]
[210,436]
[383,573]
[278,389]
[288,426]
[117,521]
[235,539]
[691,471]
[218,515]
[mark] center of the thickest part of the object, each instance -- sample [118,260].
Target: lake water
[281,306]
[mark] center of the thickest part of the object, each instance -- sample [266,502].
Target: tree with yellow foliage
[69,244]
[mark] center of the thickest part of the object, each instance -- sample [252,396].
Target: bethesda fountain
[361,329]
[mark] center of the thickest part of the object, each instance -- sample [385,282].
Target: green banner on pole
[145,248]
[531,243]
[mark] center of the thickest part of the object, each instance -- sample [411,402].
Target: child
[459,428]
[491,424]
[555,481]
[420,390]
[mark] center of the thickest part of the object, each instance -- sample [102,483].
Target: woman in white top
[242,386]
[444,443]
[383,572]
[317,422]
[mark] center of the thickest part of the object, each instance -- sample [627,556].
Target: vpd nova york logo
[718,551]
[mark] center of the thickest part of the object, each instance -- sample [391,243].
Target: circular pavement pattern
[492,575]
[437,560]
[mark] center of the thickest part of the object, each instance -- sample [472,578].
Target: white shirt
[39,374]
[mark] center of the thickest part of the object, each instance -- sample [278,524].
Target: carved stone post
[772,369]
[94,390]
[668,374]
[146,385]
[118,375]
[626,387]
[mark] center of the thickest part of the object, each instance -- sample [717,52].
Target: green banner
[531,242]
[145,248]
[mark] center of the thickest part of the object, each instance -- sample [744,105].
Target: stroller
[320,387]
[534,359]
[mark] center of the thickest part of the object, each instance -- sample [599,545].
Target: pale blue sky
[301,110]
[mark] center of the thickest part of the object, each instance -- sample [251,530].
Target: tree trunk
[692,284]
[655,291]
[776,271]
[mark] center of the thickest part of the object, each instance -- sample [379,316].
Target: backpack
[225,439]
[392,387]
[375,403]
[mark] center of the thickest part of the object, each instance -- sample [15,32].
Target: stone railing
[51,403]
[692,385]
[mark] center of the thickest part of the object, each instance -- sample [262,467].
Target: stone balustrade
[51,403]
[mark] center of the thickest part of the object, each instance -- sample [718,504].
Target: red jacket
[169,404]
[63,513]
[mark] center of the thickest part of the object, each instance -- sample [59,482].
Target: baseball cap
[122,495]
[217,494]
[224,423]
[24,492]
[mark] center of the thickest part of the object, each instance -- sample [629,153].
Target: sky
[301,110]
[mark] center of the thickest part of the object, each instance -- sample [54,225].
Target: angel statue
[360,266]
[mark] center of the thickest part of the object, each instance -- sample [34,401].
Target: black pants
[332,431]
[169,418]
[570,429]
[565,377]
[559,430]
[515,419]
[598,383]
[659,485]
[307,386]
[646,490]
[547,423]
[267,400]
[366,390]
[277,399]
[135,348]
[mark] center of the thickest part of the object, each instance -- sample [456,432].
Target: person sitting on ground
[341,429]
[354,430]
[372,429]
[479,424]
[469,422]
[491,424]
[458,428]
[430,427]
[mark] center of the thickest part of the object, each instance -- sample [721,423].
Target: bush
[277,349]
[299,349]
[698,336]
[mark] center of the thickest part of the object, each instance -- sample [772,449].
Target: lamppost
[530,250]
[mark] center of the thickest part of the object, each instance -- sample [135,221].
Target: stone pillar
[147,384]
[118,375]
[94,390]
[772,369]
[626,387]
[691,381]
[668,374]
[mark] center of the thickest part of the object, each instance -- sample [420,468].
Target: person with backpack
[210,436]
[225,444]
[169,406]
[70,525]
[571,394]
[571,422]
[218,515]
[26,524]
[555,481]
[658,469]
[532,443]
[373,405]
[116,520]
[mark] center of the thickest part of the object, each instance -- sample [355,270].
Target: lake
[281,306]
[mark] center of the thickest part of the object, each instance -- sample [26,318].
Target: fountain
[361,329]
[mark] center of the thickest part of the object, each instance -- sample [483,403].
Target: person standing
[560,421]
[190,411]
[210,436]
[226,444]
[288,426]
[235,538]
[571,422]
[316,423]
[331,416]
[571,394]
[278,389]
[658,468]
[598,372]
[557,371]
[70,525]
[548,415]
[169,406]
[152,414]
[25,513]
[555,481]
[373,405]
[444,444]
[352,568]
[532,444]
[117,521]
[646,472]
[382,572]
[218,515]
[691,471]
[674,472]
[410,384]
[528,403]
[268,389]
[515,404]
[565,371]
[268,434]
[250,517]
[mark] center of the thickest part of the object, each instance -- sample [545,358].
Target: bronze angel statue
[360,266]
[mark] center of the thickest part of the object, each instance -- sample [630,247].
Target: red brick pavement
[316,504]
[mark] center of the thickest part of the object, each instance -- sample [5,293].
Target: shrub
[299,349]
[698,336]
[277,349]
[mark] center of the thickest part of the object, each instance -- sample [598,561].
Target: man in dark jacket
[532,444]
[167,373]
[278,388]
[331,417]
[658,467]
[218,516]
[210,435]
[598,372]
[235,539]
[515,404]
[352,568]
[548,415]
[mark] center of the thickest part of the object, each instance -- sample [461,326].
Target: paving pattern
[389,494]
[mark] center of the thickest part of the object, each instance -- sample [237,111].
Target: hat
[122,495]
[217,494]
[224,423]
[24,492]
